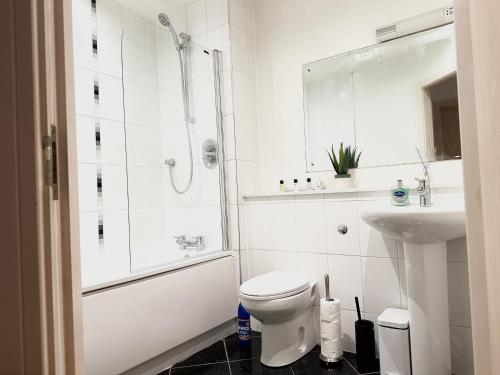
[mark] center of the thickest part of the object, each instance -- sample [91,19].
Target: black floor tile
[212,354]
[254,367]
[310,365]
[211,369]
[351,358]
[235,352]
[235,335]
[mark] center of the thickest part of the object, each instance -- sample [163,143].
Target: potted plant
[348,158]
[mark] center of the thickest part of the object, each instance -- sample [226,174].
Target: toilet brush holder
[365,343]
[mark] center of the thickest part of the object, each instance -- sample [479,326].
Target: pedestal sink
[424,232]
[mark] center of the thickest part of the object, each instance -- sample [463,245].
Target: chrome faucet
[424,184]
[197,242]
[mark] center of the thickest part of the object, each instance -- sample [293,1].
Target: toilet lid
[277,284]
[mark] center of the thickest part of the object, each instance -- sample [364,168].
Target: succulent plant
[348,158]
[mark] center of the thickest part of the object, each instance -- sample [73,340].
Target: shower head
[164,20]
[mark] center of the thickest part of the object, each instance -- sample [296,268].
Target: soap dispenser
[400,194]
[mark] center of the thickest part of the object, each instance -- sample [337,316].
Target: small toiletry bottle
[282,186]
[400,194]
[244,329]
[295,184]
[309,184]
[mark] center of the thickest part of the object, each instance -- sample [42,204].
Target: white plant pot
[343,182]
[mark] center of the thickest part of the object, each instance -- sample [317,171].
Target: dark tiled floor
[227,358]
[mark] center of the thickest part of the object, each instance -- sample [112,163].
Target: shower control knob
[342,229]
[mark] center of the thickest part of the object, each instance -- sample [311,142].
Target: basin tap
[424,184]
[424,191]
[197,242]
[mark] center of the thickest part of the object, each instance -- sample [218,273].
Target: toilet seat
[274,285]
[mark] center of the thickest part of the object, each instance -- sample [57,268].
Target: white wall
[291,33]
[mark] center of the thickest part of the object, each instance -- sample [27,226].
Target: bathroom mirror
[404,90]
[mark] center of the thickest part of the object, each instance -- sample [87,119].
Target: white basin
[443,221]
[424,232]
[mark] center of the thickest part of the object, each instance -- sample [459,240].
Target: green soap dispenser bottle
[400,194]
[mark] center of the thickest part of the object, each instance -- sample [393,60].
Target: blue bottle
[243,327]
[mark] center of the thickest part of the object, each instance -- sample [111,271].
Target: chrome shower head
[164,20]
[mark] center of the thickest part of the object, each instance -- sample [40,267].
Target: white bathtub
[149,314]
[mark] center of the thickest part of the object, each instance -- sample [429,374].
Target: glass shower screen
[141,131]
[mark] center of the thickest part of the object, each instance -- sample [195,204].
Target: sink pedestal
[427,290]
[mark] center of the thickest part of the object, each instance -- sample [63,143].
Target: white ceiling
[151,8]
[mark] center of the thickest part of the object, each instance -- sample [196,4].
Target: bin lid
[394,318]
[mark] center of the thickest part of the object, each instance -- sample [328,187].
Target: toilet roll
[331,329]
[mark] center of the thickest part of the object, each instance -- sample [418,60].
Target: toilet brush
[330,328]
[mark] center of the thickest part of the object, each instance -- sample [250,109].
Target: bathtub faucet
[197,242]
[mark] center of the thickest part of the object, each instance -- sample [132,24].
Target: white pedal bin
[394,342]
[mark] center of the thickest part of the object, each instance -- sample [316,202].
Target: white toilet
[284,303]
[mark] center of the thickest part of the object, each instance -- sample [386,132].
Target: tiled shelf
[358,189]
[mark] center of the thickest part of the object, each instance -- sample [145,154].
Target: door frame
[478,89]
[40,268]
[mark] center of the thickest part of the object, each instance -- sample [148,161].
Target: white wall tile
[237,13]
[142,104]
[85,134]
[249,15]
[217,13]
[133,26]
[197,18]
[229,140]
[402,284]
[109,16]
[346,279]
[285,261]
[110,98]
[83,27]
[115,224]
[259,262]
[239,50]
[462,362]
[315,266]
[112,142]
[380,284]
[87,187]
[108,53]
[144,146]
[458,292]
[246,138]
[244,95]
[342,213]
[147,230]
[84,92]
[219,38]
[371,241]
[89,238]
[179,20]
[114,187]
[349,335]
[150,38]
[145,187]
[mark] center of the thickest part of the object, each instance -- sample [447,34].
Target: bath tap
[197,242]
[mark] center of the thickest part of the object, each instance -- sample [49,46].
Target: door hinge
[49,144]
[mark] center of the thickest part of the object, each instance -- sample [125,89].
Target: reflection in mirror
[386,99]
[442,122]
